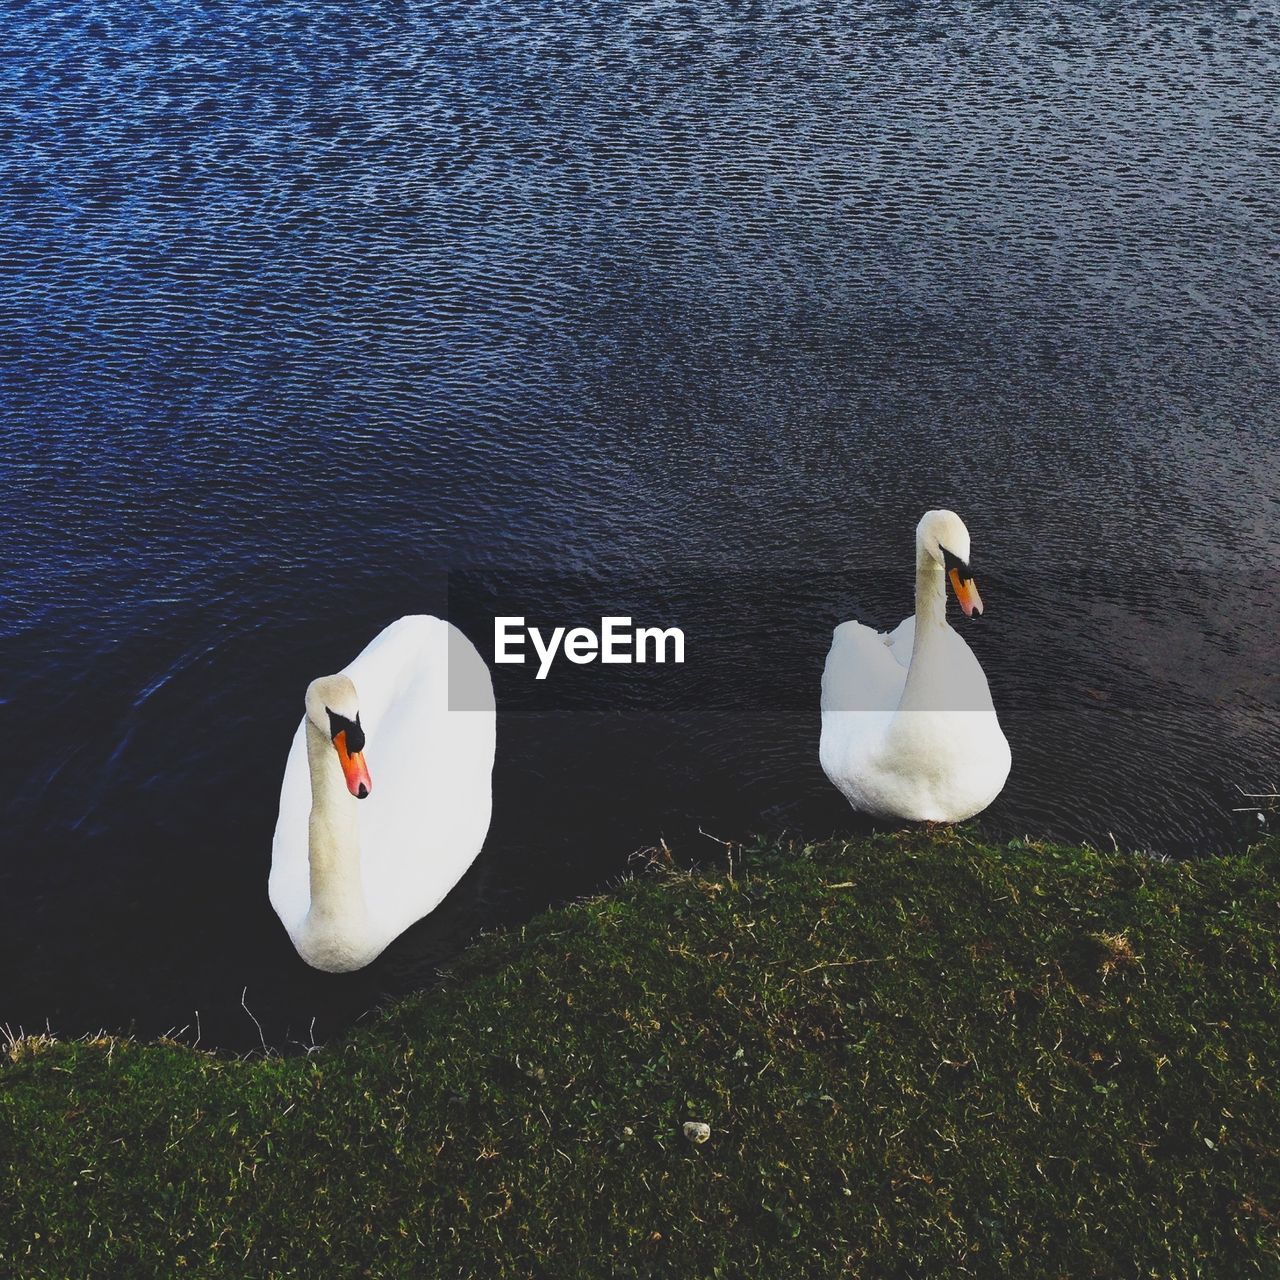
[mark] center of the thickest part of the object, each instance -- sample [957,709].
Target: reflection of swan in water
[361,850]
[908,728]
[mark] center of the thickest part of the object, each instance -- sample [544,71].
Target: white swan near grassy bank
[362,848]
[908,727]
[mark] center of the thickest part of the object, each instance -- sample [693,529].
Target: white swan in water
[361,850]
[908,728]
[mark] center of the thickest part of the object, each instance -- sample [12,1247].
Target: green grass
[920,1056]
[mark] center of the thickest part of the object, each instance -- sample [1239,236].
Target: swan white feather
[424,698]
[908,726]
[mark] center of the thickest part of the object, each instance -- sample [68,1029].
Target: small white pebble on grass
[696,1131]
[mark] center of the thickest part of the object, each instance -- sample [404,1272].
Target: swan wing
[901,640]
[431,730]
[862,684]
[863,671]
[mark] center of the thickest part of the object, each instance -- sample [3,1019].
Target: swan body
[362,851]
[908,727]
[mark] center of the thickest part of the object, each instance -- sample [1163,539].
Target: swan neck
[333,843]
[931,595]
[926,684]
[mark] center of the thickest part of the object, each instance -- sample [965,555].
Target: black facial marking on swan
[953,561]
[355,734]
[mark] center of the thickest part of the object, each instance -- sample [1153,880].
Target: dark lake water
[312,316]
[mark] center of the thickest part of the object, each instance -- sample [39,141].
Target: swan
[908,727]
[363,849]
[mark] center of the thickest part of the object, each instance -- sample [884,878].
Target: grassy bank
[918,1056]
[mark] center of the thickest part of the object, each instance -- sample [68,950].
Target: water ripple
[691,307]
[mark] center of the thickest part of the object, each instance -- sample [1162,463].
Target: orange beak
[967,593]
[354,768]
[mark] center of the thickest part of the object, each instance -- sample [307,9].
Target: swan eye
[955,565]
[355,734]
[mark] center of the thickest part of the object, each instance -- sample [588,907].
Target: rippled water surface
[313,316]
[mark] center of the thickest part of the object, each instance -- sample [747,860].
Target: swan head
[334,709]
[941,537]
